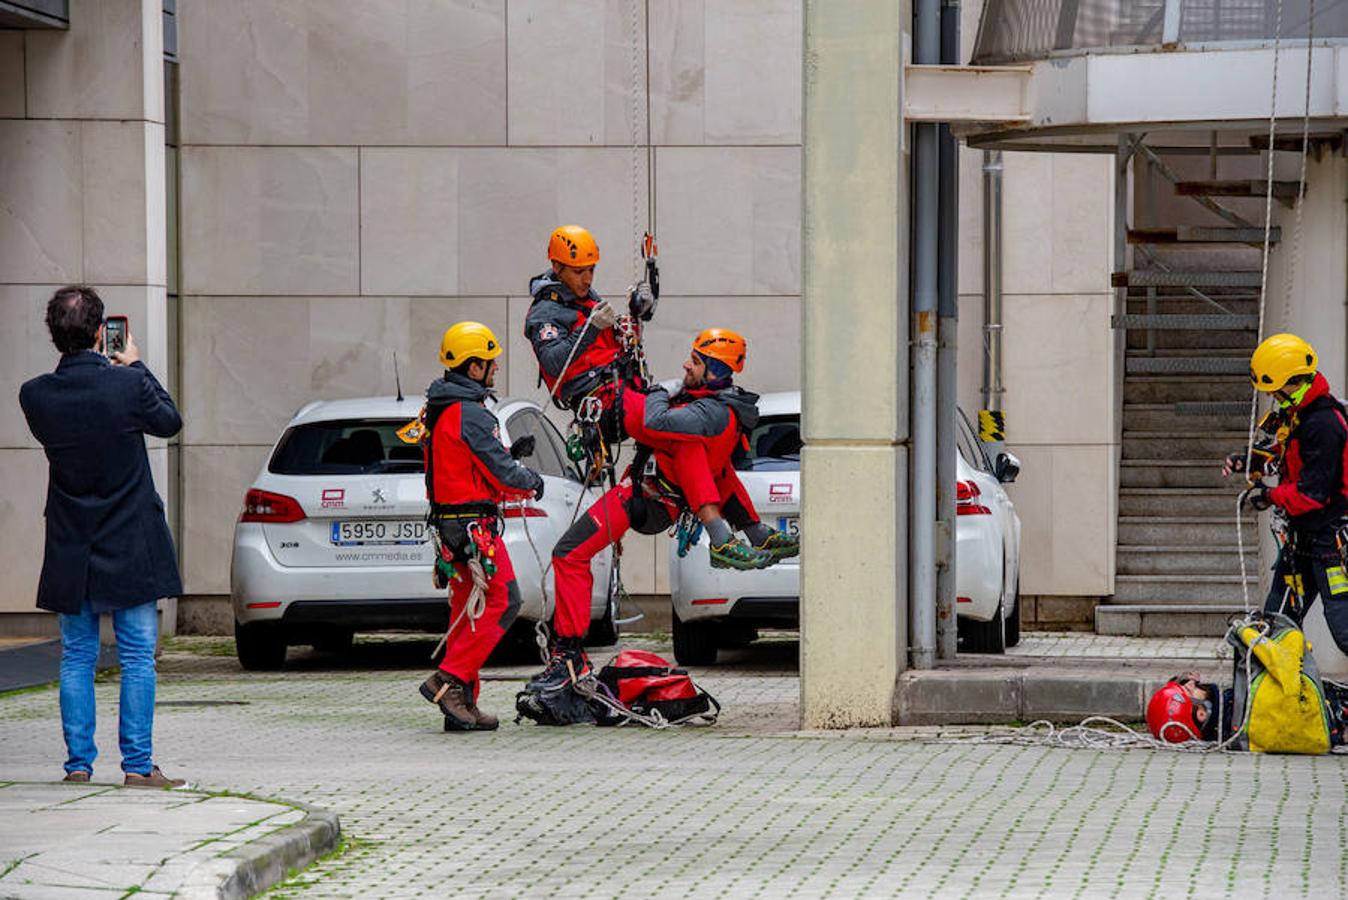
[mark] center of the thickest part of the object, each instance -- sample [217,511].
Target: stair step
[1282,190]
[1169,417]
[1180,530]
[1212,445]
[1199,279]
[1190,501]
[1237,408]
[1187,323]
[1161,620]
[1189,590]
[1202,234]
[1171,473]
[1187,365]
[1186,304]
[1194,559]
[1175,388]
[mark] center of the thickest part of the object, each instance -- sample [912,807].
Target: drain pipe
[947,330]
[992,280]
[922,416]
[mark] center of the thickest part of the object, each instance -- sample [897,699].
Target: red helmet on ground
[1170,715]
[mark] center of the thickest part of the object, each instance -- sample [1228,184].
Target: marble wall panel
[259,220]
[1057,214]
[427,320]
[726,73]
[123,220]
[23,496]
[256,360]
[40,234]
[511,200]
[1067,541]
[409,221]
[98,68]
[26,351]
[12,101]
[214,482]
[344,72]
[555,101]
[1058,369]
[729,220]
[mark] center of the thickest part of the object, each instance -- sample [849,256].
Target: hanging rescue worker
[1308,454]
[691,439]
[468,473]
[571,328]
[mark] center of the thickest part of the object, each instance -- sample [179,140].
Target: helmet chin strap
[1295,398]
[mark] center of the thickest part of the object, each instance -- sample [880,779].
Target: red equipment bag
[647,683]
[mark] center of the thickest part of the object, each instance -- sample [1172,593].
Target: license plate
[789,524]
[366,532]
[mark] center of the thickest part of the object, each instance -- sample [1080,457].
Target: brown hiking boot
[485,721]
[450,694]
[156,779]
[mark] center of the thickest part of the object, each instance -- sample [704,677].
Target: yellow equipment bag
[1279,700]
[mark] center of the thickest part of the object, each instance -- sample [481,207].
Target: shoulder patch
[549,332]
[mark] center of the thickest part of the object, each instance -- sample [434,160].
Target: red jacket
[1313,473]
[465,460]
[553,326]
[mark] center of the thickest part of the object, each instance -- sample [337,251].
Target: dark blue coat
[107,538]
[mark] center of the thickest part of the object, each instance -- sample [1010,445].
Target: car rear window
[345,447]
[774,445]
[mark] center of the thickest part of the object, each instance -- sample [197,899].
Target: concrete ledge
[260,864]
[1069,693]
[1162,620]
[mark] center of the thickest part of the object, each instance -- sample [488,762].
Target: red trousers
[469,645]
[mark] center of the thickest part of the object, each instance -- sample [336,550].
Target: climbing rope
[473,607]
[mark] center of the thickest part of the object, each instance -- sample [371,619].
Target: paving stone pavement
[747,808]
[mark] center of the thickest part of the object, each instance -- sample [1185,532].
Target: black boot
[567,664]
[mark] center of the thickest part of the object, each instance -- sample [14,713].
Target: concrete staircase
[1191,323]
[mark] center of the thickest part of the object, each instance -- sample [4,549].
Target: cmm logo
[334,497]
[780,493]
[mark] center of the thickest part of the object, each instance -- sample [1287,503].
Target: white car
[333,538]
[715,608]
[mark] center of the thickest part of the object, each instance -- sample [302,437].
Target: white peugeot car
[716,608]
[333,536]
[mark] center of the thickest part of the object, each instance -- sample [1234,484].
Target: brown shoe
[485,721]
[449,693]
[79,776]
[156,779]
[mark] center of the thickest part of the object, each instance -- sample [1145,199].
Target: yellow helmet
[1278,359]
[467,340]
[573,246]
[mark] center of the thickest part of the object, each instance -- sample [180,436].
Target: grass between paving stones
[199,645]
[347,851]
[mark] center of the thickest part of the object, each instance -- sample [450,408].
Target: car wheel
[985,637]
[261,646]
[605,631]
[1013,622]
[695,642]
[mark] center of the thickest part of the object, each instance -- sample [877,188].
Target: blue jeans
[137,630]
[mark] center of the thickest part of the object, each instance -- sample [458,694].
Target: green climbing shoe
[735,554]
[781,545]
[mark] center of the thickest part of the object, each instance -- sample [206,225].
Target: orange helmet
[573,246]
[722,344]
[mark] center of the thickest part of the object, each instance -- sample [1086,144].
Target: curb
[258,865]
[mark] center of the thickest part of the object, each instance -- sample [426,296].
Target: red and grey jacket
[465,461]
[1313,474]
[553,326]
[718,419]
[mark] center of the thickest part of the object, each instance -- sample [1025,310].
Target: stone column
[81,200]
[854,631]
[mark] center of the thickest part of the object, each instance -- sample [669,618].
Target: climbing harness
[477,553]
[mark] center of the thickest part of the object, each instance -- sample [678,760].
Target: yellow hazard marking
[1338,580]
[1294,582]
[991,425]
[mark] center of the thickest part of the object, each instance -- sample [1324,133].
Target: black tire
[985,637]
[261,646]
[604,632]
[1013,622]
[695,643]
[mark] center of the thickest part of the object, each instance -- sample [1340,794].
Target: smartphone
[114,335]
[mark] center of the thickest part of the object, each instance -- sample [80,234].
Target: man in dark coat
[108,547]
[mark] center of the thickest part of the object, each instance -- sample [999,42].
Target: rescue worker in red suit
[692,438]
[1310,460]
[468,473]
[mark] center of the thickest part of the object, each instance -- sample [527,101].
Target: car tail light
[967,496]
[269,604]
[964,599]
[264,506]
[523,512]
[711,601]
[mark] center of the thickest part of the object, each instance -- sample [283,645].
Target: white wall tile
[409,221]
[571,72]
[97,69]
[344,72]
[726,73]
[23,496]
[269,221]
[40,234]
[770,325]
[729,220]
[123,198]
